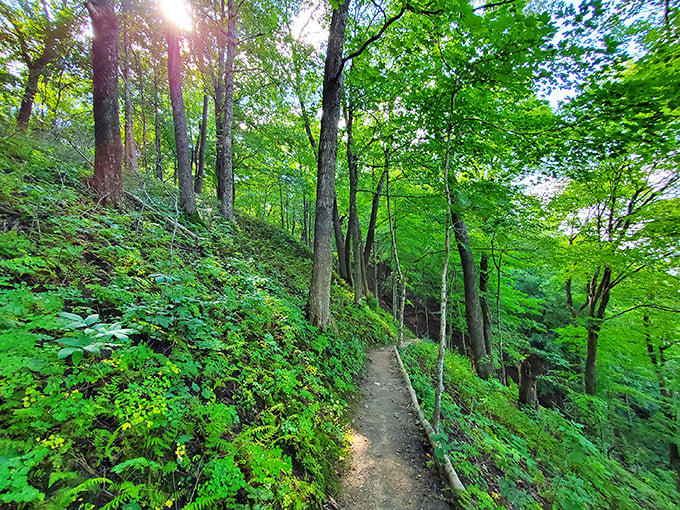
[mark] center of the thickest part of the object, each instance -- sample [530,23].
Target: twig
[174,224]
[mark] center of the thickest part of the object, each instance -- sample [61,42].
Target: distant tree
[36,33]
[108,147]
[187,198]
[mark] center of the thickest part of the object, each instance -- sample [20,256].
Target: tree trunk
[187,199]
[200,170]
[24,117]
[527,384]
[227,169]
[318,305]
[305,213]
[484,304]
[439,389]
[219,124]
[401,287]
[158,165]
[340,243]
[473,311]
[370,233]
[131,165]
[598,297]
[354,227]
[107,180]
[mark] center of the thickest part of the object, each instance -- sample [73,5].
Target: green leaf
[68,351]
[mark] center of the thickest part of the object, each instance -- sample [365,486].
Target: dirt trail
[388,469]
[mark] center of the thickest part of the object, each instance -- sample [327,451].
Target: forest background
[419,129]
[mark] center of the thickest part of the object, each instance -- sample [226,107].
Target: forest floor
[389,451]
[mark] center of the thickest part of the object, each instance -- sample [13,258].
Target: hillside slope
[142,368]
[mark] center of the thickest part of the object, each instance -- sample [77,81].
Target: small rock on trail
[387,470]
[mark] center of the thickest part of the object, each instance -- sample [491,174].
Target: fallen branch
[451,474]
[174,224]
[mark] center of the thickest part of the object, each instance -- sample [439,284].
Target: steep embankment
[511,458]
[141,367]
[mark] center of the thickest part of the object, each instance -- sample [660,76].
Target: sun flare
[176,12]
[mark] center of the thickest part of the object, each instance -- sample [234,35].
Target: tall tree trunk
[484,304]
[108,148]
[439,389]
[370,233]
[598,297]
[219,123]
[497,264]
[354,227]
[401,287]
[473,311]
[200,170]
[130,146]
[318,305]
[340,243]
[226,190]
[187,199]
[158,165]
[31,89]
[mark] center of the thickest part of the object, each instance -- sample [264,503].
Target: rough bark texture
[219,124]
[473,311]
[318,304]
[130,146]
[200,168]
[187,199]
[107,180]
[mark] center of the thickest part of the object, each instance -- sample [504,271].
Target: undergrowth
[510,458]
[140,368]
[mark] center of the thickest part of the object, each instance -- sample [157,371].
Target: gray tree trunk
[187,199]
[473,311]
[200,169]
[318,304]
[484,304]
[158,165]
[227,169]
[354,227]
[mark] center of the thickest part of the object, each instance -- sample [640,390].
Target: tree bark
[318,305]
[226,191]
[598,298]
[107,180]
[401,287]
[484,304]
[131,165]
[200,169]
[473,311]
[527,384]
[31,89]
[187,199]
[340,243]
[439,389]
[354,227]
[370,233]
[158,164]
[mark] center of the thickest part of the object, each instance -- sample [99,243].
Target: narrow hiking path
[388,467]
